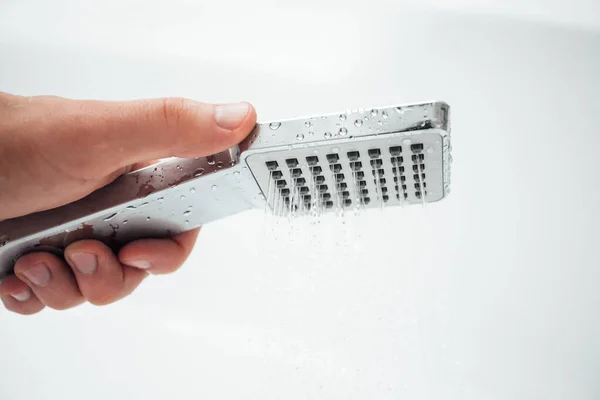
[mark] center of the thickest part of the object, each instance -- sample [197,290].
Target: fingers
[50,279]
[159,256]
[116,134]
[99,274]
[18,297]
[174,127]
[92,273]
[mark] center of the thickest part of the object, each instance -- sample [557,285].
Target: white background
[490,294]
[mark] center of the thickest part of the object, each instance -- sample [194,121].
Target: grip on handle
[173,196]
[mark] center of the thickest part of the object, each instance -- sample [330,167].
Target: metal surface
[181,194]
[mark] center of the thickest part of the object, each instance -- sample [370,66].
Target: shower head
[381,157]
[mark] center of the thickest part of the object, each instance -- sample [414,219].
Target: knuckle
[174,110]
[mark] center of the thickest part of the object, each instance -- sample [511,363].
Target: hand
[54,151]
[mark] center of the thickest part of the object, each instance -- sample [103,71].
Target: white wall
[490,294]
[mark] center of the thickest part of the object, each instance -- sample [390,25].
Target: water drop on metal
[220,164]
[343,131]
[199,172]
[188,212]
[358,123]
[182,197]
[160,199]
[210,160]
[193,190]
[110,217]
[300,136]
[343,117]
[214,187]
[274,125]
[384,115]
[327,135]
[374,113]
[308,124]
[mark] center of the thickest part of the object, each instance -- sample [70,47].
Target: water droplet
[188,212]
[182,197]
[400,110]
[147,218]
[193,190]
[187,221]
[358,123]
[327,135]
[161,199]
[199,172]
[274,125]
[380,122]
[374,113]
[232,163]
[111,216]
[210,160]
[343,117]
[343,131]
[311,133]
[179,168]
[308,124]
[143,205]
[236,174]
[125,222]
[384,115]
[220,164]
[214,187]
[300,136]
[130,207]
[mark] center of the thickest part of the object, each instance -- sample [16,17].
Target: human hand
[54,151]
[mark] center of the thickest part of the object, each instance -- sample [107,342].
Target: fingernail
[38,274]
[230,116]
[141,264]
[85,263]
[23,296]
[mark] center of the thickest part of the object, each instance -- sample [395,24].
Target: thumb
[116,134]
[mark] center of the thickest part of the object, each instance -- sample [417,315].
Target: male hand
[54,151]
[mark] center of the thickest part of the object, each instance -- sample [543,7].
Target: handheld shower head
[384,156]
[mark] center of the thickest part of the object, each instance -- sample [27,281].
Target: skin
[54,151]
